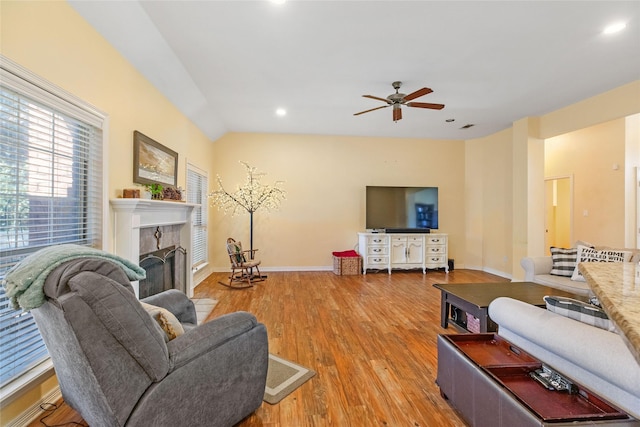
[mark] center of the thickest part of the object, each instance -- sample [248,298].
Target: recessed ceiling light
[277,1]
[614,28]
[450,120]
[281,112]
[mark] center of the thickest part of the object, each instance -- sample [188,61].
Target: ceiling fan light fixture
[396,100]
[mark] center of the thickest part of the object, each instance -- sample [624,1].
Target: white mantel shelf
[154,212]
[130,215]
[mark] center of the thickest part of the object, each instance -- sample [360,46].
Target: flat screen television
[401,209]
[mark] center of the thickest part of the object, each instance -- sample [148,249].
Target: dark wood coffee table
[474,298]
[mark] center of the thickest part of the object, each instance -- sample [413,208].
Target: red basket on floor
[347,263]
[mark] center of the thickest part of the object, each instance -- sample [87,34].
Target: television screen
[401,207]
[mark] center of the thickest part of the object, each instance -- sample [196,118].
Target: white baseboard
[34,411]
[497,273]
[330,268]
[272,269]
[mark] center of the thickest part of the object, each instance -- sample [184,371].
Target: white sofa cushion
[563,283]
[597,359]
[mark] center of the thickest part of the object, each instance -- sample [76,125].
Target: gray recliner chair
[116,368]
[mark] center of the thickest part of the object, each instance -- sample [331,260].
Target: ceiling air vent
[467,126]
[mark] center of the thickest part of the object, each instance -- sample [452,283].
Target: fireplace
[165,270]
[136,223]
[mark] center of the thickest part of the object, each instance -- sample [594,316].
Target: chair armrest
[208,336]
[177,303]
[536,265]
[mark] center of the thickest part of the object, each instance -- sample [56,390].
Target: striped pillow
[564,261]
[581,311]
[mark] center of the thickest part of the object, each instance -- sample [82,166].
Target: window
[197,191]
[51,191]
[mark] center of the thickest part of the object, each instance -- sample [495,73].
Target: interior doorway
[558,222]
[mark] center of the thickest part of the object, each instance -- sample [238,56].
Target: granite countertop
[617,286]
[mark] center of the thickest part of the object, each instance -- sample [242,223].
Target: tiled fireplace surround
[135,222]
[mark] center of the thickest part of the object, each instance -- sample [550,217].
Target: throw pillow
[586,254]
[564,261]
[236,249]
[581,311]
[169,324]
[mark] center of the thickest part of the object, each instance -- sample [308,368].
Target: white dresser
[403,251]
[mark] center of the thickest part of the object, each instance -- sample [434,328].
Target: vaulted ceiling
[229,65]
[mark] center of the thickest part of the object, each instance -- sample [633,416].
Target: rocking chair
[241,267]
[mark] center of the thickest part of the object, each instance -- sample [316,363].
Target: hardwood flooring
[370,338]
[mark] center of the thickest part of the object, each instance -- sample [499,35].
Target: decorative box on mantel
[131,215]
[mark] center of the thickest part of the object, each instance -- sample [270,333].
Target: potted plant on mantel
[156,190]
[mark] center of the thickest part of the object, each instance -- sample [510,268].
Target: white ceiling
[228,65]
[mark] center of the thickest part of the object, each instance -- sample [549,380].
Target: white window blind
[197,191]
[50,192]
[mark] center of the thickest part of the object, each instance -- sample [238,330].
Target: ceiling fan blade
[418,93]
[376,98]
[425,105]
[397,114]
[373,109]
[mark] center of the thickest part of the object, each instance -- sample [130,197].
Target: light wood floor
[371,339]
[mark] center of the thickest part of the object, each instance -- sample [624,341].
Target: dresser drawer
[437,240]
[377,240]
[436,260]
[434,250]
[377,250]
[374,260]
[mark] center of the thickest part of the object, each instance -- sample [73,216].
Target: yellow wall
[590,155]
[619,102]
[631,181]
[53,41]
[325,179]
[489,203]
[520,231]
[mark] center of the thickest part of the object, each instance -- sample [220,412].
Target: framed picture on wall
[153,163]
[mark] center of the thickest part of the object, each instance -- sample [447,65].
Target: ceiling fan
[396,100]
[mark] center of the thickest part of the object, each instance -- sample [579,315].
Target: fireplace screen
[166,269]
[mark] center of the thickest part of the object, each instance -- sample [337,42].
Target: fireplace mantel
[130,215]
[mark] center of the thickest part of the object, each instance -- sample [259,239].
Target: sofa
[595,358]
[537,270]
[559,270]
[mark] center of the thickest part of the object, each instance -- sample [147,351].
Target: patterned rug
[283,377]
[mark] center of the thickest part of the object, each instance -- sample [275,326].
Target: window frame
[203,202]
[31,85]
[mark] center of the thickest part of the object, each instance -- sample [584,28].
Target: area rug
[204,307]
[283,377]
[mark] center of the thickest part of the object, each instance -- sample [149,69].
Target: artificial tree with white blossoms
[250,197]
